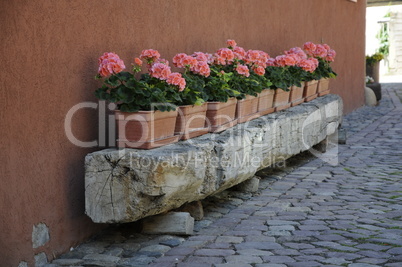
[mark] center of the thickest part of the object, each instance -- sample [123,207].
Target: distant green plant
[384,40]
[383,37]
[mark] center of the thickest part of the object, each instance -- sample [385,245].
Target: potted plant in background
[373,65]
[191,120]
[277,71]
[146,105]
[323,72]
[246,71]
[221,109]
[297,74]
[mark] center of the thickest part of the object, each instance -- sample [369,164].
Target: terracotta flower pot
[296,95]
[323,87]
[247,108]
[221,115]
[281,99]
[191,121]
[266,101]
[145,129]
[310,90]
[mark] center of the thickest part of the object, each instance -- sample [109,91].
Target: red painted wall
[49,58]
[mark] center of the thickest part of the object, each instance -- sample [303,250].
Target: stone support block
[194,208]
[174,223]
[250,185]
[342,136]
[125,185]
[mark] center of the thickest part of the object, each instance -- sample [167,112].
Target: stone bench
[125,185]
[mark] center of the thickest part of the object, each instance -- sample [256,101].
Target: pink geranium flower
[110,63]
[259,70]
[256,57]
[239,52]
[150,55]
[162,60]
[263,58]
[175,78]
[327,47]
[309,47]
[138,61]
[320,51]
[271,62]
[231,43]
[200,56]
[243,70]
[189,61]
[183,60]
[307,65]
[210,57]
[202,68]
[330,55]
[297,51]
[285,60]
[252,56]
[315,61]
[160,71]
[177,59]
[224,56]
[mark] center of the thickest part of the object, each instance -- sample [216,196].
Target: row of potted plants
[210,92]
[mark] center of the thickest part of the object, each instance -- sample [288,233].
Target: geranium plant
[242,72]
[132,92]
[196,70]
[289,69]
[325,56]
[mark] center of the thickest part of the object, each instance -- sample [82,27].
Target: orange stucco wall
[49,58]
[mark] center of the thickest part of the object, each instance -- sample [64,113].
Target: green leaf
[125,94]
[113,81]
[199,101]
[124,76]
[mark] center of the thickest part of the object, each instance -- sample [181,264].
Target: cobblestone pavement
[308,213]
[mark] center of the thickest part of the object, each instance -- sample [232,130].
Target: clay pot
[281,99]
[266,101]
[145,129]
[296,95]
[221,115]
[191,121]
[323,87]
[310,90]
[247,108]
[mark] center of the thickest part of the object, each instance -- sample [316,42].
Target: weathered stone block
[371,99]
[342,136]
[176,223]
[194,208]
[250,185]
[40,235]
[125,185]
[40,259]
